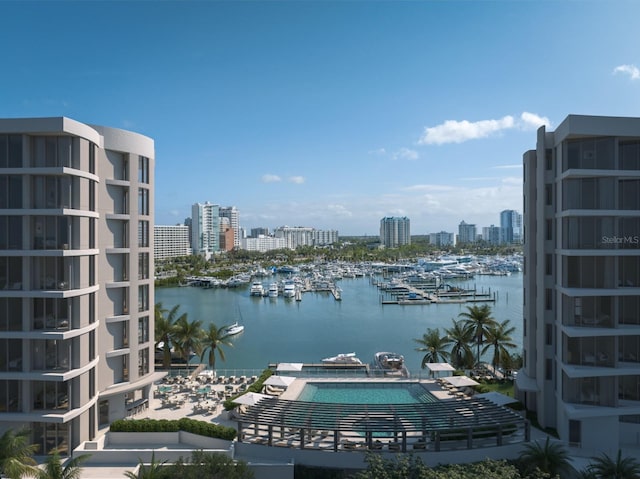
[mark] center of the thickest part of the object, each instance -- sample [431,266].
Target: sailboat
[235,328]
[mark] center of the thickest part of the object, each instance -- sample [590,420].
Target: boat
[389,361]
[273,290]
[342,358]
[256,289]
[289,289]
[234,329]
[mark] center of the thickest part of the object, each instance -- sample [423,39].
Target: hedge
[256,387]
[201,428]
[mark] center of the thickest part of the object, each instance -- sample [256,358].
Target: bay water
[318,326]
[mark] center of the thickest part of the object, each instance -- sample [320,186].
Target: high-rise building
[171,241]
[466,233]
[581,345]
[205,229]
[263,243]
[442,238]
[491,234]
[231,212]
[295,236]
[510,227]
[395,231]
[76,278]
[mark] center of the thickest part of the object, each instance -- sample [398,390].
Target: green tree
[499,338]
[188,337]
[461,337]
[54,469]
[480,319]
[434,346]
[166,330]
[151,471]
[606,467]
[16,454]
[551,458]
[212,341]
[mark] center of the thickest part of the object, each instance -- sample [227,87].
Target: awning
[289,367]
[250,398]
[460,381]
[526,383]
[280,381]
[438,367]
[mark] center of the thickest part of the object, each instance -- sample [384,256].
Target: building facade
[171,241]
[76,278]
[510,227]
[491,235]
[581,340]
[441,239]
[295,236]
[205,229]
[466,233]
[231,212]
[395,231]
[262,243]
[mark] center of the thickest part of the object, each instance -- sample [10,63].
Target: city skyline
[327,114]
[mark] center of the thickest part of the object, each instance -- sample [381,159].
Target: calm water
[283,330]
[367,393]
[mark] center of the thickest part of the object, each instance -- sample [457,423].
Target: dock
[406,294]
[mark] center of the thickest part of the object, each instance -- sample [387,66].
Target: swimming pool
[365,393]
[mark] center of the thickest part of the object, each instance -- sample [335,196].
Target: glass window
[10,396]
[143,329]
[10,232]
[50,436]
[10,314]
[143,297]
[143,169]
[143,362]
[11,273]
[143,201]
[143,233]
[10,191]
[143,265]
[15,151]
[10,354]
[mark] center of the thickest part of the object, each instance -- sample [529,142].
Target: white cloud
[379,152]
[298,180]
[507,167]
[270,178]
[631,70]
[454,131]
[531,121]
[340,211]
[405,154]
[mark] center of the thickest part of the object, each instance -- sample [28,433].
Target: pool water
[365,393]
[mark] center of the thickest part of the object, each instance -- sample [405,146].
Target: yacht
[256,289]
[273,290]
[234,329]
[289,289]
[342,358]
[389,361]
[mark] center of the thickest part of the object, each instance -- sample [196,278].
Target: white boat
[289,289]
[389,361]
[235,328]
[256,289]
[342,358]
[273,290]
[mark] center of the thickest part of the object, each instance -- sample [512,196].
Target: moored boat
[389,361]
[342,358]
[235,328]
[257,289]
[273,290]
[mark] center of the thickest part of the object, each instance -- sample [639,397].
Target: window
[143,362]
[10,396]
[10,191]
[10,314]
[11,273]
[143,233]
[548,159]
[143,329]
[49,395]
[548,299]
[51,232]
[548,369]
[10,232]
[143,265]
[143,201]
[143,169]
[52,151]
[549,229]
[52,313]
[548,194]
[548,264]
[10,151]
[549,334]
[10,354]
[143,297]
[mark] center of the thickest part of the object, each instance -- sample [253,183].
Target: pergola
[444,424]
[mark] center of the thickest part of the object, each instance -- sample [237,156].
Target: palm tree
[434,347]
[151,471]
[214,338]
[188,337]
[16,454]
[165,330]
[552,458]
[53,468]
[498,336]
[461,337]
[605,467]
[479,317]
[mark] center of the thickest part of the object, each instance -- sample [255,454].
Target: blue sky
[328,114]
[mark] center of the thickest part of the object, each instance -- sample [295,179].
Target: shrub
[201,428]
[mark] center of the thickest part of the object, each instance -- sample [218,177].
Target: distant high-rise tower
[581,340]
[205,229]
[395,231]
[231,212]
[466,233]
[510,227]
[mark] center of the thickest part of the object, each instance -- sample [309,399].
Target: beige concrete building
[76,277]
[582,282]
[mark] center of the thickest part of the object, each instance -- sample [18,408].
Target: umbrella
[250,399]
[497,398]
[289,367]
[281,381]
[440,367]
[461,381]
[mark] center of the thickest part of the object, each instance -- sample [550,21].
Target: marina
[319,326]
